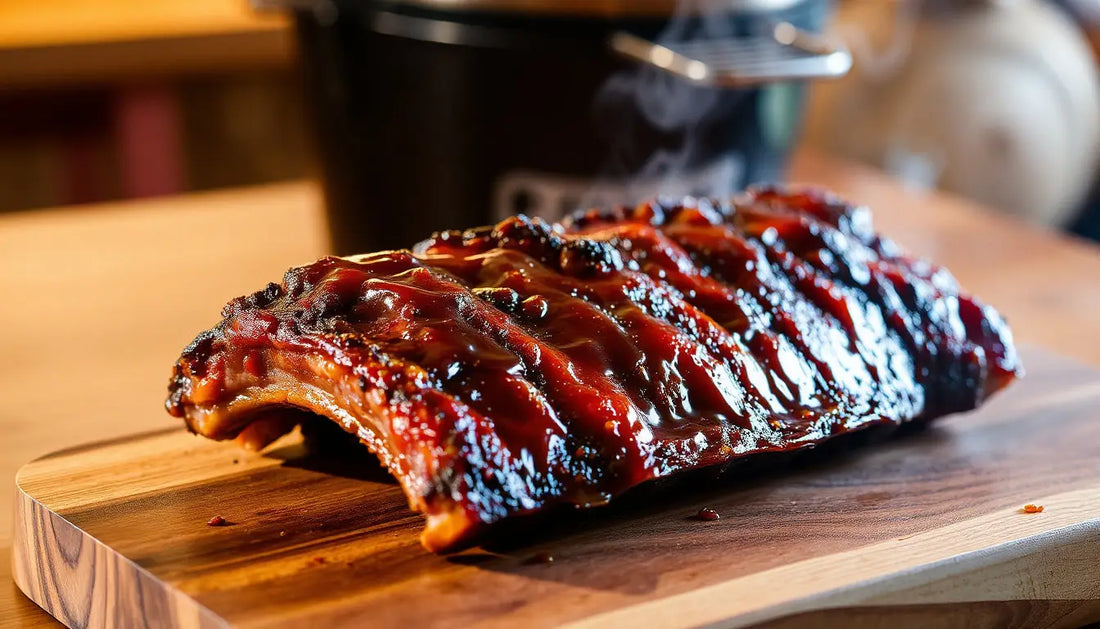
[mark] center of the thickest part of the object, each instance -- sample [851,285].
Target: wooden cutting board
[914,529]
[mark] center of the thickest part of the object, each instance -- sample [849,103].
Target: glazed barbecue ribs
[507,370]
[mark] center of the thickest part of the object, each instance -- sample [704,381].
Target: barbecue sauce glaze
[504,370]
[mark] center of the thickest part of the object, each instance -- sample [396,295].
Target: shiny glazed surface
[501,371]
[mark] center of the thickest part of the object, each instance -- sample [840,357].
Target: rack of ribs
[508,370]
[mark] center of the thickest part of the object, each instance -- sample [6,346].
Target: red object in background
[147,125]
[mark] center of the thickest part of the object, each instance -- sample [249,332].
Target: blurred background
[115,99]
[415,115]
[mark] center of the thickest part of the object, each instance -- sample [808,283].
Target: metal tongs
[788,53]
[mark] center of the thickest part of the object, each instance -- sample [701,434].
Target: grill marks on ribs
[505,370]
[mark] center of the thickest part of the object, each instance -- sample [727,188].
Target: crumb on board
[217,521]
[1030,508]
[317,561]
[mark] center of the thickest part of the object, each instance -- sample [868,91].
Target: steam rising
[675,111]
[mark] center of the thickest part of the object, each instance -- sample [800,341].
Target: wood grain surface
[117,533]
[98,300]
[65,42]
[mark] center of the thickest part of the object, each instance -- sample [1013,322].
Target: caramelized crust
[506,370]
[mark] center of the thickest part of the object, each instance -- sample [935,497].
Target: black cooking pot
[439,114]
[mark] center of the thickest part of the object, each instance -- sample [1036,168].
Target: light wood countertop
[98,301]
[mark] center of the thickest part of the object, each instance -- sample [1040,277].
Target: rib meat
[506,370]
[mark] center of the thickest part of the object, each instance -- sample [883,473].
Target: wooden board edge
[1050,614]
[84,464]
[98,444]
[1010,585]
[83,583]
[1000,545]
